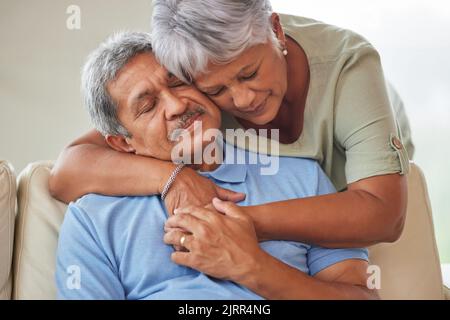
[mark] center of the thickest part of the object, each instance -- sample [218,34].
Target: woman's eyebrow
[250,66]
[243,69]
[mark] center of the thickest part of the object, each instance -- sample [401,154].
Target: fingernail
[175,211]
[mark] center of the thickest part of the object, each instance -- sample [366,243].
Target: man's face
[152,104]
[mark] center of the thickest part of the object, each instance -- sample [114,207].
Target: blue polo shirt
[112,247]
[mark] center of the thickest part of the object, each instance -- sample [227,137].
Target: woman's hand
[191,189]
[222,243]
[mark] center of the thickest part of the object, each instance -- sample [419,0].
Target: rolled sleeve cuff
[361,165]
[328,257]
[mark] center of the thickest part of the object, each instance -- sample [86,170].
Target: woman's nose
[243,97]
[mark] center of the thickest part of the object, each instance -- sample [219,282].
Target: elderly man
[113,247]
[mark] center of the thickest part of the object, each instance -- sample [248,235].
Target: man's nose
[175,106]
[242,96]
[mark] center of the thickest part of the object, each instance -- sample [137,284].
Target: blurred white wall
[40,60]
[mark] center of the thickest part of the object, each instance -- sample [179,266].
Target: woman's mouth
[256,111]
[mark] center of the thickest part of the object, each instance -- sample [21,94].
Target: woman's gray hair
[101,67]
[187,34]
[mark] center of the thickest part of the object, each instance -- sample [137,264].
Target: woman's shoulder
[322,41]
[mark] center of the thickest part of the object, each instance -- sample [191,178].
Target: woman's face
[251,87]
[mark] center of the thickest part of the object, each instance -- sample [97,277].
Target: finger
[226,207]
[182,258]
[180,248]
[175,238]
[168,229]
[187,222]
[202,213]
[229,195]
[187,209]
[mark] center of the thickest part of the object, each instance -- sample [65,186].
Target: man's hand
[191,189]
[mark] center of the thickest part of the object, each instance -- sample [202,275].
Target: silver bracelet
[171,180]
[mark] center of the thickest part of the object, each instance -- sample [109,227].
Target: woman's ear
[120,143]
[278,29]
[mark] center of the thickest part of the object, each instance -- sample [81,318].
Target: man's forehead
[149,57]
[141,67]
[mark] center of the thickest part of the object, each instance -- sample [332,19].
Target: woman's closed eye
[250,76]
[215,93]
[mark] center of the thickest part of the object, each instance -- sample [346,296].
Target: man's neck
[212,164]
[204,167]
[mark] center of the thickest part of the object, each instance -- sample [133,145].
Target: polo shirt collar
[229,172]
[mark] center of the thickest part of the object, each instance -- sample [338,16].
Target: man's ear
[119,143]
[277,28]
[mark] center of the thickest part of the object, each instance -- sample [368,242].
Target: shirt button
[397,143]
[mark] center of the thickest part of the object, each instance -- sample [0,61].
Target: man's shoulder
[308,163]
[305,174]
[289,164]
[284,165]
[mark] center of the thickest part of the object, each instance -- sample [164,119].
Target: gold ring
[182,239]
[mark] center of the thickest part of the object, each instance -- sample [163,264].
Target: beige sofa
[7,214]
[409,268]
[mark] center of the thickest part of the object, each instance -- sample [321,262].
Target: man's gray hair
[101,67]
[187,34]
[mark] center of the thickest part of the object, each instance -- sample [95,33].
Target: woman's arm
[226,247]
[372,210]
[89,165]
[273,279]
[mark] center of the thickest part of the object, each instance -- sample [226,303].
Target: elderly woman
[323,87]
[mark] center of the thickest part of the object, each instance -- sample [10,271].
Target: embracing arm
[89,165]
[372,210]
[225,246]
[274,279]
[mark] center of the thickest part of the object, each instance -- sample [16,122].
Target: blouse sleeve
[365,128]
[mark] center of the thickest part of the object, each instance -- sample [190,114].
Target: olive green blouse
[354,123]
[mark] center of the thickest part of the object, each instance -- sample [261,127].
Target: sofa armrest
[7,216]
[39,216]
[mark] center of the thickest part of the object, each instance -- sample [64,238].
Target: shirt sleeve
[319,258]
[83,271]
[365,127]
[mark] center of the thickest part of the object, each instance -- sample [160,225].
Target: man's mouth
[185,121]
